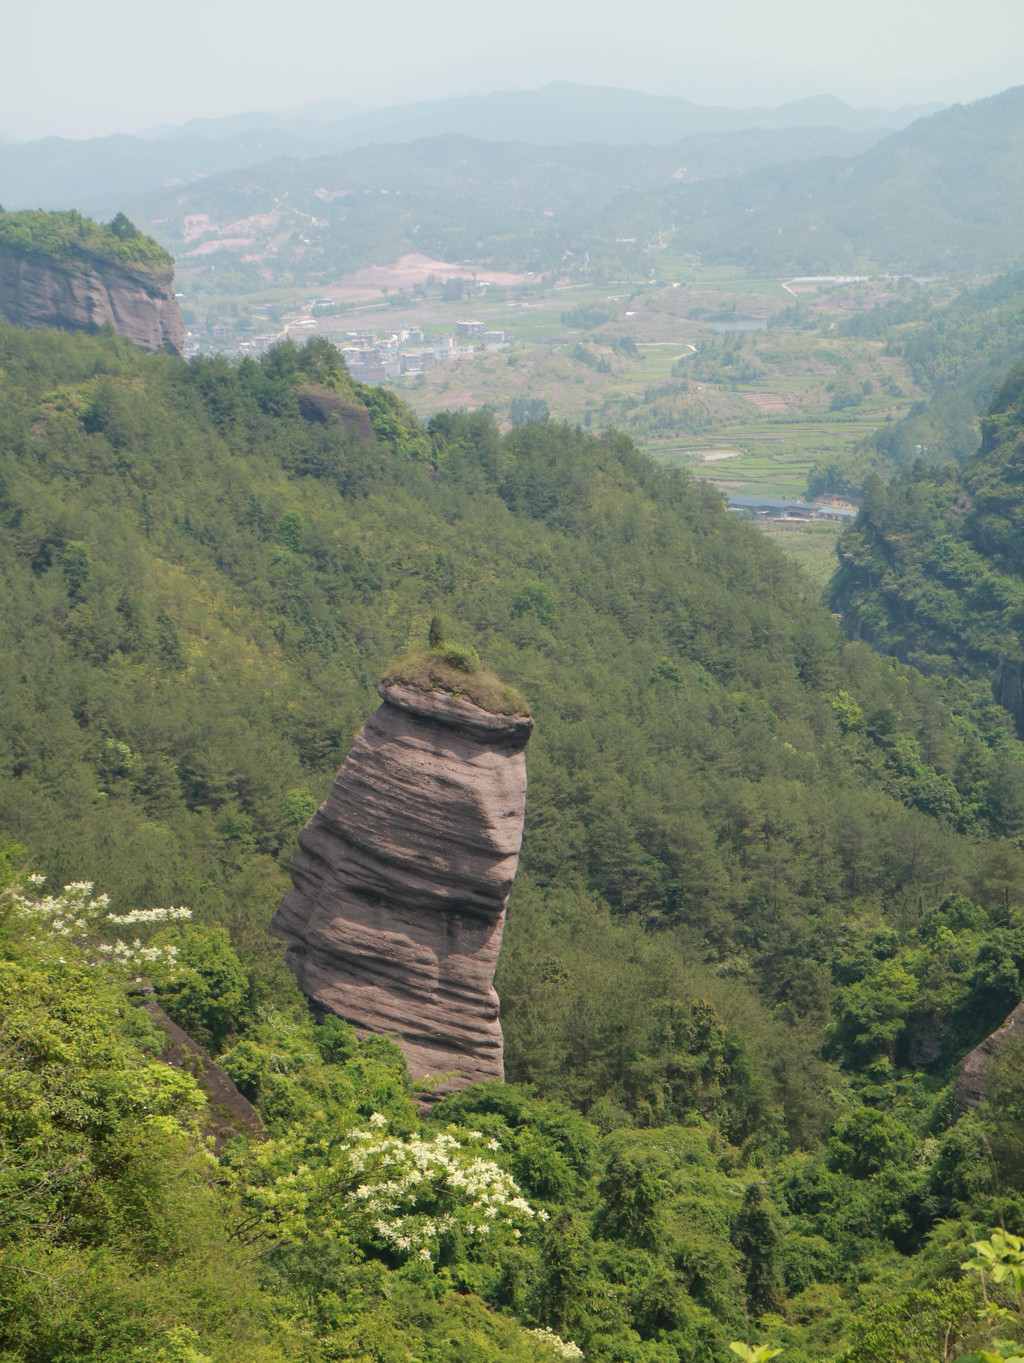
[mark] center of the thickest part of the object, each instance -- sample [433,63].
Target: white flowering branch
[393,1192]
[149,916]
[564,1348]
[75,911]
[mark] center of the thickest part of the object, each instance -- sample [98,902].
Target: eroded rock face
[402,879]
[970,1078]
[228,1111]
[43,291]
[317,403]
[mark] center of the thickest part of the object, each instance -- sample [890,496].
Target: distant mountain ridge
[101,174]
[945,194]
[229,125]
[457,198]
[94,172]
[558,113]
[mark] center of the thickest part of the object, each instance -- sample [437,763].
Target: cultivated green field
[812,546]
[776,400]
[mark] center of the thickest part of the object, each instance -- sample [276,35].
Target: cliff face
[402,879]
[1008,689]
[317,403]
[74,295]
[970,1078]
[228,1110]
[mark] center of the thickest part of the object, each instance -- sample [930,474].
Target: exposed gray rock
[85,294]
[228,1111]
[317,403]
[402,879]
[970,1082]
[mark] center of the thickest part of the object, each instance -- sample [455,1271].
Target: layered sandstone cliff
[970,1079]
[84,293]
[402,878]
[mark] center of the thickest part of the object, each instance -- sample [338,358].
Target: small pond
[742,324]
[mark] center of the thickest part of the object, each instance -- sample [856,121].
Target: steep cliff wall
[970,1080]
[84,293]
[317,403]
[402,879]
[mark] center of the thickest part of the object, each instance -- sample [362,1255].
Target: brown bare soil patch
[367,283]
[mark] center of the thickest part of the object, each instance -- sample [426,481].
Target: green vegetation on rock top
[70,236]
[457,670]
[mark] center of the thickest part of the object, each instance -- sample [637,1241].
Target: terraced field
[664,367]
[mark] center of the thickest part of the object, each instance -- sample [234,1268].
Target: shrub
[463,657]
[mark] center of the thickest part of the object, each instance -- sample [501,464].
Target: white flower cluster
[402,1192]
[75,910]
[137,954]
[565,1348]
[149,916]
[441,1172]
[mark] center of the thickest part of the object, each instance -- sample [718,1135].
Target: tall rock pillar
[401,881]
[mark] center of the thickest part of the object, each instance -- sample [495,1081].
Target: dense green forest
[769,895]
[958,354]
[932,570]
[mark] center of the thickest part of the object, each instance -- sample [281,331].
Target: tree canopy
[770,891]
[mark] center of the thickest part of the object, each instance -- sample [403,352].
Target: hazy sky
[77,69]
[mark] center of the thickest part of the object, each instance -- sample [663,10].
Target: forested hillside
[932,571]
[768,896]
[958,354]
[940,195]
[505,205]
[69,236]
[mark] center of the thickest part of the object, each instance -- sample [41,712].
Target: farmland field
[669,359]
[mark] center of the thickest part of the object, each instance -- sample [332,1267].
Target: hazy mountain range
[559,112]
[944,194]
[92,173]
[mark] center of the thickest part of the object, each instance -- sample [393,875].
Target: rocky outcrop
[228,1111]
[317,403]
[86,292]
[1008,689]
[970,1079]
[402,878]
